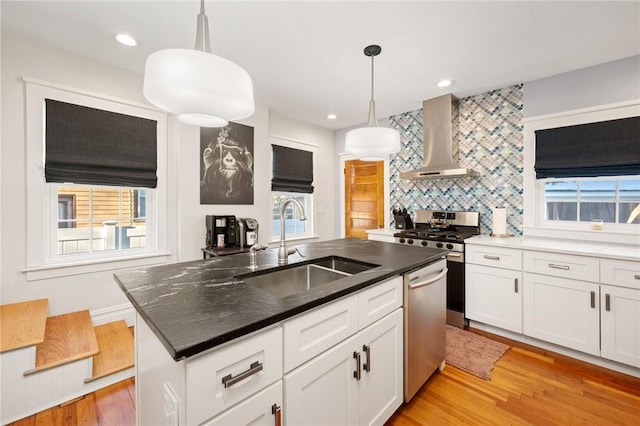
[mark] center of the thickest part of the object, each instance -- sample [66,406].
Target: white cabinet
[358,381]
[385,235]
[216,381]
[262,409]
[494,296]
[620,314]
[493,286]
[562,311]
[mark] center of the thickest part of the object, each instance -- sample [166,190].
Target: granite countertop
[583,248]
[195,306]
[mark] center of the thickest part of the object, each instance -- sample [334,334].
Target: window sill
[629,236]
[43,272]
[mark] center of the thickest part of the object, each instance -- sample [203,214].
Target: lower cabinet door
[494,296]
[562,311]
[324,391]
[262,409]
[620,324]
[382,369]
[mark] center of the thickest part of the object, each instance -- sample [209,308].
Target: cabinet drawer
[256,411]
[378,301]
[620,273]
[258,359]
[316,331]
[562,265]
[499,257]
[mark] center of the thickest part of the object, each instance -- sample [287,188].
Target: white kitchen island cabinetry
[244,382]
[357,382]
[493,290]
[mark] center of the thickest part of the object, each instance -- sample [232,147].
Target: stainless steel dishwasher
[425,316]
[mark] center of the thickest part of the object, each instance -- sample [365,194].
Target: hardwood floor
[112,406]
[529,386]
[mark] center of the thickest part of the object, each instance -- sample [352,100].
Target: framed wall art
[226,164]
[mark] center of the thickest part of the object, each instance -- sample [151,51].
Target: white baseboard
[611,365]
[114,313]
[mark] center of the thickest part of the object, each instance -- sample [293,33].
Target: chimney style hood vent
[440,127]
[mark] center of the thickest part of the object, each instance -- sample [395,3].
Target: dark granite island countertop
[195,306]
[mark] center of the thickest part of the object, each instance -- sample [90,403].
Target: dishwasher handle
[428,281]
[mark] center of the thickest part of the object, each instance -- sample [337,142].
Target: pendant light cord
[372,103]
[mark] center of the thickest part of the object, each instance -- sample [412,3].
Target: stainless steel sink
[297,279]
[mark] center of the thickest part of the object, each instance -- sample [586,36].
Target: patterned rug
[473,353]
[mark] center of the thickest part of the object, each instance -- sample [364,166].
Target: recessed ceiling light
[331,116]
[126,39]
[444,83]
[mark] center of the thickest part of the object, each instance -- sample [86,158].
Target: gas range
[441,229]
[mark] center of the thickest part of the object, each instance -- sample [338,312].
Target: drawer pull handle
[515,285]
[229,380]
[637,276]
[607,302]
[358,373]
[486,256]
[276,410]
[367,362]
[593,299]
[554,266]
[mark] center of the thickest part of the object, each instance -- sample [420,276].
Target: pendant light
[199,87]
[372,143]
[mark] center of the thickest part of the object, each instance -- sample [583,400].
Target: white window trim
[40,262]
[303,146]
[534,221]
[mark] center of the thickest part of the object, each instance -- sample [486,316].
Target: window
[292,177]
[104,218]
[293,226]
[99,217]
[588,170]
[585,200]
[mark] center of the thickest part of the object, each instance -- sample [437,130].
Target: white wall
[601,84]
[98,290]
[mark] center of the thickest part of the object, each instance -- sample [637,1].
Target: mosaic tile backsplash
[490,142]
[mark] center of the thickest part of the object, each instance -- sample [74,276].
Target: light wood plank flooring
[529,386]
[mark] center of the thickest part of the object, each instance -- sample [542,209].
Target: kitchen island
[192,316]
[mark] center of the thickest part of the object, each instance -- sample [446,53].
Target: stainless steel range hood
[440,139]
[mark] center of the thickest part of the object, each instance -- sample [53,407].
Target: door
[620,322]
[562,311]
[494,296]
[324,391]
[262,409]
[364,197]
[382,372]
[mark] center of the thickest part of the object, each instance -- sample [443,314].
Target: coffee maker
[247,232]
[221,232]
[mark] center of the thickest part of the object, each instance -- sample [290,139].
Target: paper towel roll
[499,227]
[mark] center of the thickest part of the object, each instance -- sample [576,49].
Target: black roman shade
[606,148]
[96,147]
[292,170]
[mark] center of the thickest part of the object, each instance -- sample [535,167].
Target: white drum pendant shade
[372,143]
[199,87]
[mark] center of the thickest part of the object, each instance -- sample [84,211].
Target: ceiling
[306,58]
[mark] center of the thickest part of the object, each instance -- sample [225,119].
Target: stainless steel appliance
[446,230]
[221,231]
[425,291]
[247,232]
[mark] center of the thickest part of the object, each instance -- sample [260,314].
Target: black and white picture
[226,166]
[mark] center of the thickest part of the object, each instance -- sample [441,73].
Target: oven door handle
[442,274]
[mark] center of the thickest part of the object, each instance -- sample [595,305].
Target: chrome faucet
[283,251]
[252,255]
